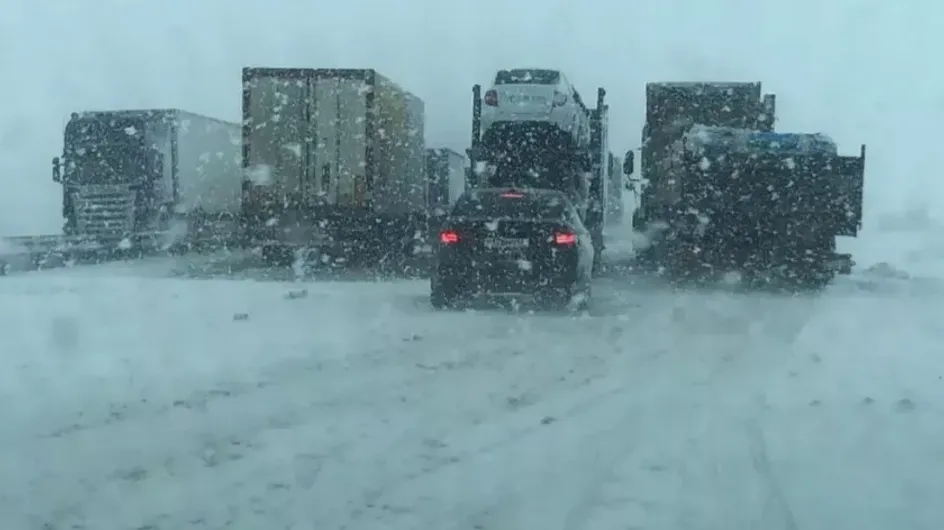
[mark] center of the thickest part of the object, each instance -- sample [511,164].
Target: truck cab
[108,170]
[672,109]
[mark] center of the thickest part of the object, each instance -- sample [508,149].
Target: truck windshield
[104,151]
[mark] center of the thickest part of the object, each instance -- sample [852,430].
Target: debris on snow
[886,270]
[905,405]
[295,295]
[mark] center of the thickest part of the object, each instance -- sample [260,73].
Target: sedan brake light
[448,237]
[565,239]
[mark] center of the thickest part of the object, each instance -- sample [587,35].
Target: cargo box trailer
[334,162]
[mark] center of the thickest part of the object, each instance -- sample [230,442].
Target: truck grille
[104,213]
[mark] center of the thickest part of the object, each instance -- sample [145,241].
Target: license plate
[505,243]
[525,99]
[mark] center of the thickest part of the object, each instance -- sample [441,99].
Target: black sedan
[513,243]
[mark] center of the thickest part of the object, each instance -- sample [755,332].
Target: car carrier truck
[335,165]
[530,150]
[149,179]
[728,194]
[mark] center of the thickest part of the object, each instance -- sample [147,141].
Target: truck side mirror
[629,162]
[56,169]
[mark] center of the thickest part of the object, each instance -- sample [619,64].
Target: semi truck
[447,176]
[149,179]
[723,192]
[600,191]
[542,159]
[671,108]
[335,165]
[614,205]
[446,171]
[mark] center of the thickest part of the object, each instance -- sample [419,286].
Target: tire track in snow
[776,509]
[227,429]
[601,410]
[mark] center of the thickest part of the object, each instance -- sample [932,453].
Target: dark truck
[335,165]
[149,178]
[671,109]
[542,162]
[723,192]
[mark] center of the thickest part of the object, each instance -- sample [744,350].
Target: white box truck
[335,164]
[144,179]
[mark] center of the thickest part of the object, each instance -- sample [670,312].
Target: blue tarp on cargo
[701,137]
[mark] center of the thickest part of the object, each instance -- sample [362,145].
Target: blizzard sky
[861,70]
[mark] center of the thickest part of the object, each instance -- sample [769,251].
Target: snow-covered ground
[135,399]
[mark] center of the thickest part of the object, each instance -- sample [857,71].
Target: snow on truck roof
[745,140]
[702,86]
[137,114]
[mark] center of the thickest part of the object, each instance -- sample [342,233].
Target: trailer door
[277,118]
[340,119]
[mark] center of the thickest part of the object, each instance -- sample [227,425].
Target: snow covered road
[133,401]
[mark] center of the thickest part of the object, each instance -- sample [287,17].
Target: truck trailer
[149,179]
[729,194]
[335,164]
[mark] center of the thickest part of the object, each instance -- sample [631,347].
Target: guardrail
[27,253]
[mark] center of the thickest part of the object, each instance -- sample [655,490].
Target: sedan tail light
[448,237]
[565,239]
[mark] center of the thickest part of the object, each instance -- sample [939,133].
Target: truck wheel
[597,262]
[276,256]
[440,299]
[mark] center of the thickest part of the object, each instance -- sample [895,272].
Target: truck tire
[639,220]
[277,256]
[441,299]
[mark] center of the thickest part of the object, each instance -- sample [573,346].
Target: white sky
[837,66]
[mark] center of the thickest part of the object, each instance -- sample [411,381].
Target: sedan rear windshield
[527,77]
[510,206]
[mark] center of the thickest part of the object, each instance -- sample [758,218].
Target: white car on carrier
[535,97]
